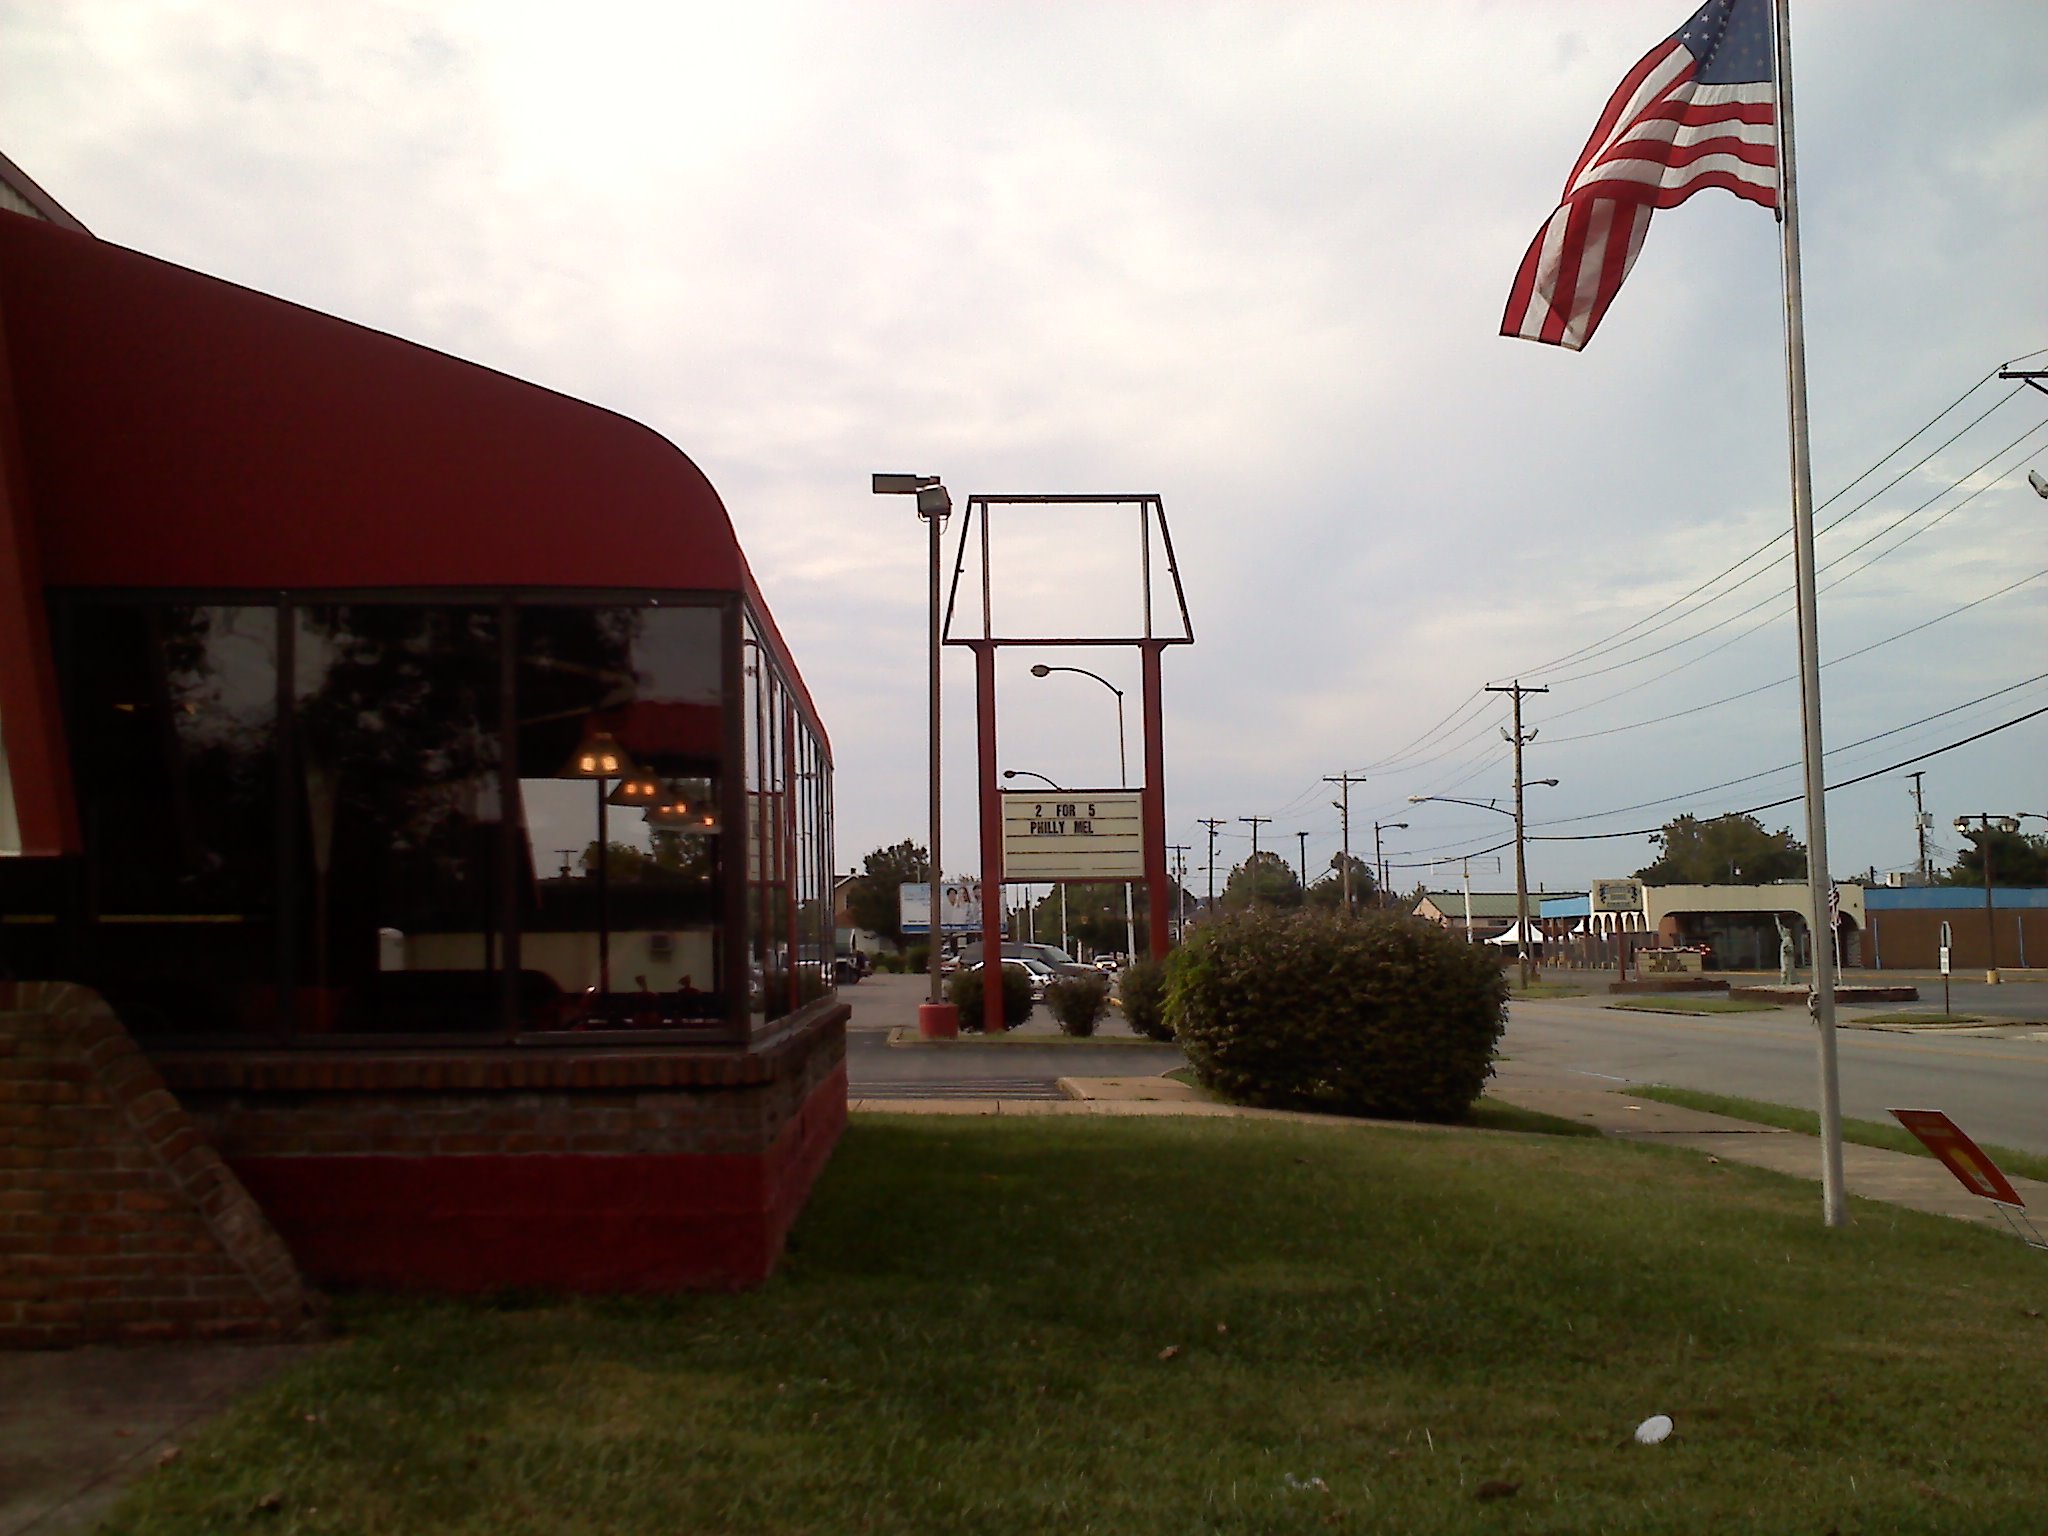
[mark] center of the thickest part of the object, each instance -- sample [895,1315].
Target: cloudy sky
[1249,257]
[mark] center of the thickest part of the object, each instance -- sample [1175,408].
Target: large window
[458,818]
[174,744]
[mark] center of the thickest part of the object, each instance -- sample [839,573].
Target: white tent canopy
[1514,935]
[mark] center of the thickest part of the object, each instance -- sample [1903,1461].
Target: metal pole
[1521,860]
[1303,861]
[1835,1210]
[933,878]
[1990,922]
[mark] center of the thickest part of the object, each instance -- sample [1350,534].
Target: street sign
[1944,959]
[1073,834]
[1960,1155]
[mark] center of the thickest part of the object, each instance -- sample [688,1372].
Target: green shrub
[1379,1015]
[917,959]
[1078,1002]
[888,962]
[963,991]
[1141,987]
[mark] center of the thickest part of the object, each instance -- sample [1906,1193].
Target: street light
[1026,773]
[1521,868]
[1379,859]
[1123,781]
[1987,823]
[935,1019]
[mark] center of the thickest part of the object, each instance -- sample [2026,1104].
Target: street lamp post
[1123,781]
[1528,972]
[1986,823]
[935,1018]
[1025,773]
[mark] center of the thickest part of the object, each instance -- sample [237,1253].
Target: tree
[1263,880]
[1328,891]
[2015,859]
[1728,850]
[874,899]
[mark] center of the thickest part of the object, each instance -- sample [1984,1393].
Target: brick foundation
[478,1170]
[117,1220]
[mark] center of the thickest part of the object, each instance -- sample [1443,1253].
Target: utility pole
[1252,863]
[1379,858]
[1212,823]
[1515,691]
[1180,852]
[1920,826]
[1344,808]
[1303,836]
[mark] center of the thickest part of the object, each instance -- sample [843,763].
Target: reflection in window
[397,733]
[625,920]
[172,714]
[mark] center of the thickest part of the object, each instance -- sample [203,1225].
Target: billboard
[960,900]
[1073,834]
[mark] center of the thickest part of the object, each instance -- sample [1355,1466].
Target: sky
[1252,259]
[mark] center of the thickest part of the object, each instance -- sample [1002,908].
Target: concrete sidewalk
[77,1425]
[1896,1178]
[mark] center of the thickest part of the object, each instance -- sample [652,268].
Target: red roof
[180,431]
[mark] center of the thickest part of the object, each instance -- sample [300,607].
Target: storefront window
[623,919]
[381,819]
[172,715]
[397,726]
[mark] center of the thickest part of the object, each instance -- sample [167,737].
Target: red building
[405,755]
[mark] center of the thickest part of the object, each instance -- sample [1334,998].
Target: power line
[1764,773]
[1581,652]
[1779,682]
[1772,805]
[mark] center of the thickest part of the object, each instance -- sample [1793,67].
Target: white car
[1041,974]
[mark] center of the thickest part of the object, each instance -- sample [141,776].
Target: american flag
[1698,111]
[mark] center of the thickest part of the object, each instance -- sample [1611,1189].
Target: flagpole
[1821,1000]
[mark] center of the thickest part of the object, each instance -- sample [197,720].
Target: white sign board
[1073,834]
[961,898]
[1617,896]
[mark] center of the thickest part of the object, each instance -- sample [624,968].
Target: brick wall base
[118,1222]
[477,1171]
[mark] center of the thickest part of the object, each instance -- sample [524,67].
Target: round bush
[1078,1002]
[963,991]
[1380,1015]
[1141,988]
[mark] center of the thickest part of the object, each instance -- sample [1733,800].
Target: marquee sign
[1073,834]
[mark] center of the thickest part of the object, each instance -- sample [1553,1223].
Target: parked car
[1041,974]
[1050,955]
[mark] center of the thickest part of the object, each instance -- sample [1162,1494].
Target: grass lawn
[1697,1003]
[1172,1326]
[1918,1018]
[1888,1134]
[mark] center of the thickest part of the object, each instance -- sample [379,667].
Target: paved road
[1994,1082]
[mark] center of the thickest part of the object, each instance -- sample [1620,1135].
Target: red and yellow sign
[1962,1156]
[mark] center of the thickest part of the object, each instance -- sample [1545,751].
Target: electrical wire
[1772,805]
